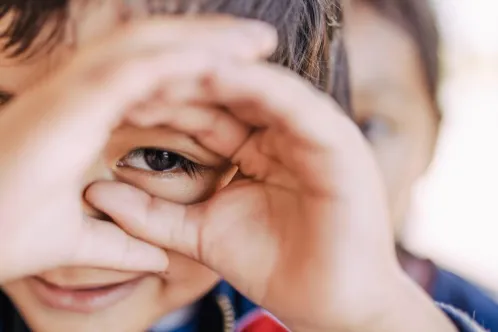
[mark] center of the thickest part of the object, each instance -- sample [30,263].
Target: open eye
[156,160]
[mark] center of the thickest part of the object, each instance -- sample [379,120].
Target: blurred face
[160,161]
[391,102]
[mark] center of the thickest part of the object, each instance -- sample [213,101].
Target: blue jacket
[462,321]
[224,309]
[446,287]
[461,294]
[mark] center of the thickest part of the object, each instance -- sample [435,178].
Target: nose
[98,172]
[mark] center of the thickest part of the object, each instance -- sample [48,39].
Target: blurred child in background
[393,50]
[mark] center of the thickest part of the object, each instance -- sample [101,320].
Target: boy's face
[391,102]
[166,164]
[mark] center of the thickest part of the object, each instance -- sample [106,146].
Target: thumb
[241,253]
[151,219]
[103,244]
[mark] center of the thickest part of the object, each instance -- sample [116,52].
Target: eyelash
[191,168]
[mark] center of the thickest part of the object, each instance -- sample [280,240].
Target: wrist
[409,309]
[403,307]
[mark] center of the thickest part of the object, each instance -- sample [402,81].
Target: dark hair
[417,18]
[304,26]
[27,17]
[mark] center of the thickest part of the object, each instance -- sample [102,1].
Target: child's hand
[306,233]
[51,135]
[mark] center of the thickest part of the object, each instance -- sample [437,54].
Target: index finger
[153,34]
[104,244]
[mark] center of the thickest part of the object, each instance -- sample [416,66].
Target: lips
[82,298]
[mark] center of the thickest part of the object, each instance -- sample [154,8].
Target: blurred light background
[455,210]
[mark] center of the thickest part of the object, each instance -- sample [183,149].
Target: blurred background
[455,212]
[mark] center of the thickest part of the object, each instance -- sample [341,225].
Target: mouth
[82,299]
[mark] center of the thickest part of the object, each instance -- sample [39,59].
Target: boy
[251,233]
[402,124]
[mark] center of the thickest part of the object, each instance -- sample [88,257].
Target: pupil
[159,160]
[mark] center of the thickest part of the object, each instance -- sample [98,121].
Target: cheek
[401,163]
[393,157]
[182,189]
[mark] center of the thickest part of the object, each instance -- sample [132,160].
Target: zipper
[228,313]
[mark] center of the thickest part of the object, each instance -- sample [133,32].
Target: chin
[88,300]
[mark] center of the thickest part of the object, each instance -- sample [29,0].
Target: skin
[391,102]
[156,294]
[304,262]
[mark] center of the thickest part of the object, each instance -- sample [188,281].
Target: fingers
[228,234]
[157,221]
[130,73]
[105,245]
[96,107]
[263,94]
[267,95]
[253,95]
[103,90]
[243,38]
[109,76]
[215,129]
[307,134]
[94,96]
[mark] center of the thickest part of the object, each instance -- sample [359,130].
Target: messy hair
[417,19]
[305,27]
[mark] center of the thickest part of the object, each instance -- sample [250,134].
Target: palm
[279,223]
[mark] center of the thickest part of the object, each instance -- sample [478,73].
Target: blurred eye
[375,128]
[159,161]
[5,98]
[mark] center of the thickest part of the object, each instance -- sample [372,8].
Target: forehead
[18,74]
[381,54]
[85,23]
